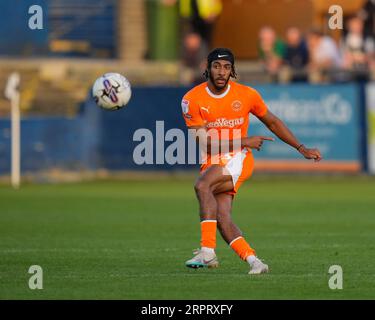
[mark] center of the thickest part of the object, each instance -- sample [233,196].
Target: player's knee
[201,186]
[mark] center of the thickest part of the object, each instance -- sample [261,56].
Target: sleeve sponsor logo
[185,106]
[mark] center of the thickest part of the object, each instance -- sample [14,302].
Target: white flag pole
[12,93]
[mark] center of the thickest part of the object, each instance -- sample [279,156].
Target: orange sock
[208,233]
[242,248]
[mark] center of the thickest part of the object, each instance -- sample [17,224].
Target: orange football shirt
[229,110]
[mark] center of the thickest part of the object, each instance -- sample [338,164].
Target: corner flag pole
[12,93]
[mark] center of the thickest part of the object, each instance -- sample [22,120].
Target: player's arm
[278,127]
[214,146]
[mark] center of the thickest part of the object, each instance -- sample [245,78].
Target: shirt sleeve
[258,106]
[191,112]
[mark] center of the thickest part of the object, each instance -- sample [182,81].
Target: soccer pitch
[130,239]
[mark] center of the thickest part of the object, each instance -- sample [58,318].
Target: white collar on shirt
[218,96]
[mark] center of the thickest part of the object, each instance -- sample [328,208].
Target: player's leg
[229,230]
[210,180]
[241,168]
[226,226]
[214,177]
[233,235]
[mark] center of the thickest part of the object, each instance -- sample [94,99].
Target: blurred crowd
[296,56]
[317,57]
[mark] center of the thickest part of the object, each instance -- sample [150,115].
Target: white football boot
[258,267]
[203,259]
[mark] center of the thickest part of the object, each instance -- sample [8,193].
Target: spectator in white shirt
[323,51]
[356,48]
[324,55]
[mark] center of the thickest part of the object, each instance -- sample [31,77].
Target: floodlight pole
[12,93]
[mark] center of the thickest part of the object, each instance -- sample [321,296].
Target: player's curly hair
[206,73]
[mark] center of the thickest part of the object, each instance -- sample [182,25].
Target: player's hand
[256,142]
[310,153]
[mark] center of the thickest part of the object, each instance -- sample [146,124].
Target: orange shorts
[240,166]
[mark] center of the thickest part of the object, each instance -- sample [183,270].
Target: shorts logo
[185,106]
[236,105]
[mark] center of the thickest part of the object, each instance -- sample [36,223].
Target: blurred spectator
[201,16]
[194,53]
[271,51]
[323,55]
[356,48]
[367,14]
[296,57]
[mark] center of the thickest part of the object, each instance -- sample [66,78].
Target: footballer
[224,106]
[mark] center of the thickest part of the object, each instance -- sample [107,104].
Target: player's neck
[214,90]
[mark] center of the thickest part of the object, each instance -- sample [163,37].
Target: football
[111,91]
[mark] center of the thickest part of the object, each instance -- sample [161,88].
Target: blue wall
[88,20]
[323,116]
[15,35]
[96,138]
[104,139]
[147,106]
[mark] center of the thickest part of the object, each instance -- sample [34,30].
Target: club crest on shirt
[236,105]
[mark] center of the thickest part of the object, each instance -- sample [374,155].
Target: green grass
[129,240]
